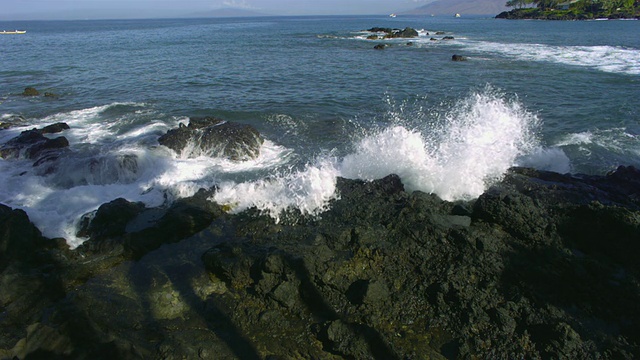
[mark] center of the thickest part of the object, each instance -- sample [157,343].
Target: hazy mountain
[462,7]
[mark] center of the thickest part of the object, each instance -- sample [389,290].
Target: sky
[91,9]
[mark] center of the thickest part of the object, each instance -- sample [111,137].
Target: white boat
[392,15]
[457,15]
[5,32]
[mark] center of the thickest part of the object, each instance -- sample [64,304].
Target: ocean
[559,96]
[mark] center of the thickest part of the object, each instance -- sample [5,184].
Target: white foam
[549,159]
[612,59]
[108,159]
[472,149]
[308,191]
[478,142]
[576,139]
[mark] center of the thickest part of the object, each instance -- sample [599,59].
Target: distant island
[571,9]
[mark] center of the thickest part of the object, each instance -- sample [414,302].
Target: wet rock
[54,128]
[380,46]
[458,58]
[110,220]
[32,144]
[396,33]
[214,137]
[12,120]
[30,91]
[542,265]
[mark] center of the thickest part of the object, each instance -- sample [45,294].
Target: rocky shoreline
[555,14]
[542,265]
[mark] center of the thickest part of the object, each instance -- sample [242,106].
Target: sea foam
[470,150]
[611,59]
[456,154]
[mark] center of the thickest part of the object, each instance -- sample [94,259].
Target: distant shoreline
[571,14]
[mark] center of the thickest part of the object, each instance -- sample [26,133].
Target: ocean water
[560,96]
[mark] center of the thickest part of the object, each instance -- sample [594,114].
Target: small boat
[457,15]
[392,15]
[5,32]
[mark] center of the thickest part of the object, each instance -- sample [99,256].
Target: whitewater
[547,95]
[471,149]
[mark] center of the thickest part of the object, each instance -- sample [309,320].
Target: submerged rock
[30,91]
[214,137]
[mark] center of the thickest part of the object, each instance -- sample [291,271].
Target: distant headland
[572,9]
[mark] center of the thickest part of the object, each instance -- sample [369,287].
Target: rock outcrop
[542,265]
[390,33]
[32,144]
[214,137]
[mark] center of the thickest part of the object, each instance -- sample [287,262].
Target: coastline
[540,265]
[538,14]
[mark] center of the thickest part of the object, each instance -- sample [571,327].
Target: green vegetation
[572,9]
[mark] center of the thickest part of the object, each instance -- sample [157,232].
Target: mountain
[462,7]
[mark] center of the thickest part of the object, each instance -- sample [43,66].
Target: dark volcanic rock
[32,144]
[380,47]
[19,238]
[396,33]
[458,58]
[542,265]
[214,137]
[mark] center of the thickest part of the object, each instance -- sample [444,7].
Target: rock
[405,33]
[396,33]
[458,58]
[19,238]
[214,137]
[54,128]
[50,95]
[29,91]
[373,37]
[11,121]
[448,38]
[542,265]
[110,220]
[32,144]
[380,47]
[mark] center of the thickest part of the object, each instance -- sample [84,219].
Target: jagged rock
[542,265]
[458,58]
[396,33]
[214,137]
[32,144]
[380,47]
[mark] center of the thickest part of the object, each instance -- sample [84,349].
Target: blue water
[561,96]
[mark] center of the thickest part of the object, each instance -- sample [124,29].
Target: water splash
[471,149]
